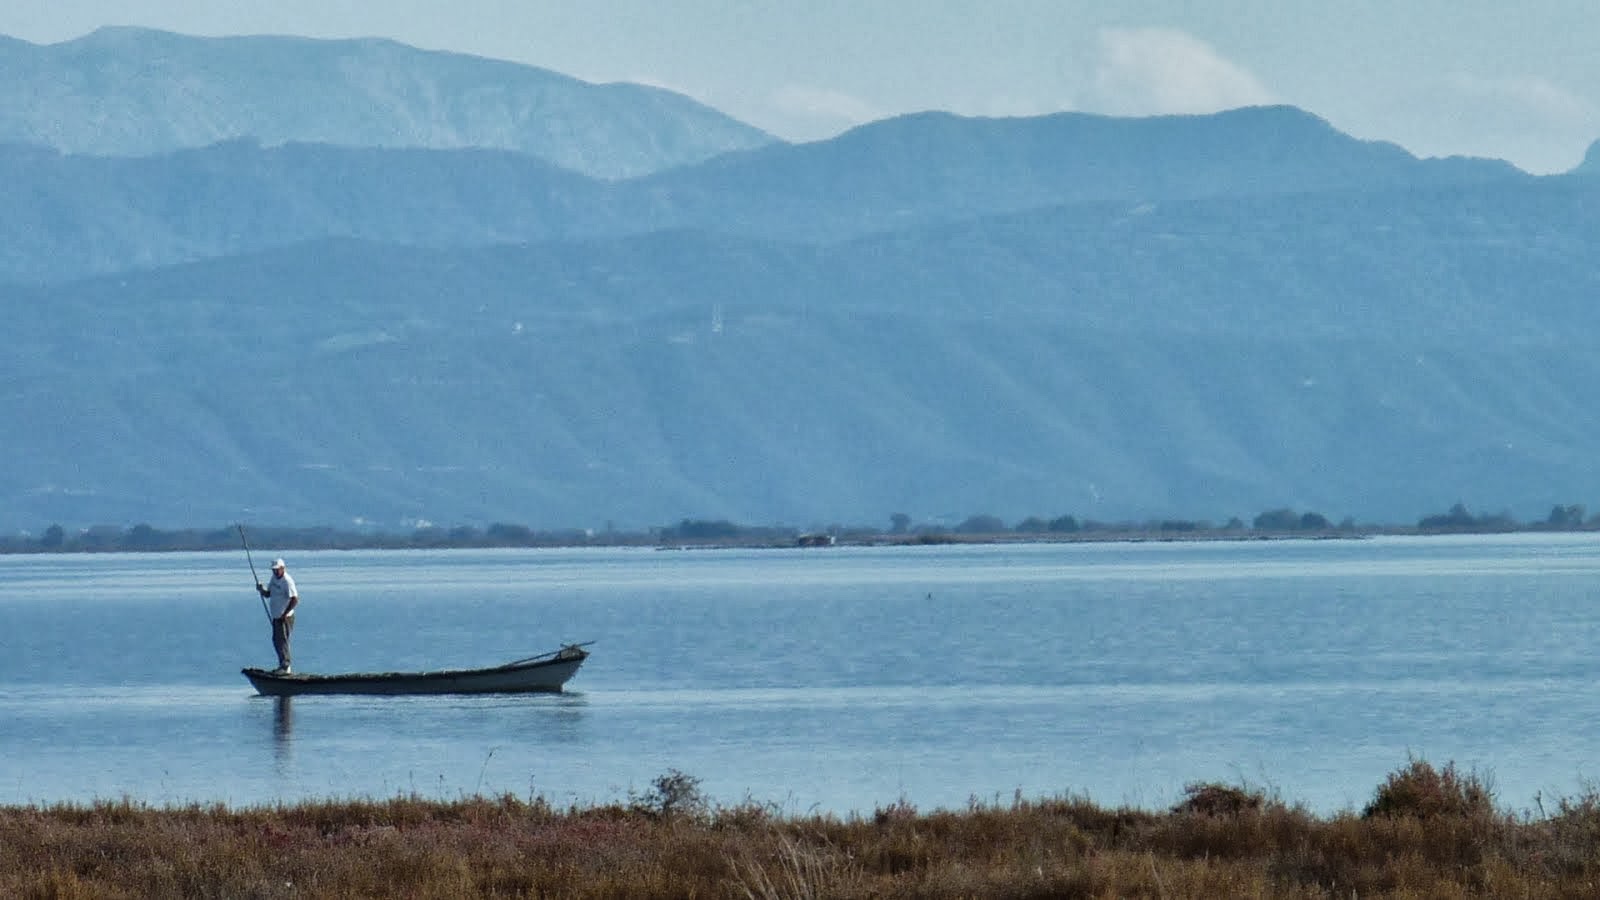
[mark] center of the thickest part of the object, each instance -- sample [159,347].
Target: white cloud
[1160,71]
[645,80]
[1535,99]
[1533,122]
[823,109]
[1007,105]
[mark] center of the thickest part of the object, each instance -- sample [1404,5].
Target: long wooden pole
[266,612]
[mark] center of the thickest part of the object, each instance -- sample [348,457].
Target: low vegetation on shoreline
[1428,832]
[1273,523]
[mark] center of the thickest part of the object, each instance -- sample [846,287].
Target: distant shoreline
[301,539]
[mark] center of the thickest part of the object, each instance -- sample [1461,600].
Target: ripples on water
[835,679]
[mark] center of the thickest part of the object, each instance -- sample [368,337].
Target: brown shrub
[1212,799]
[1422,791]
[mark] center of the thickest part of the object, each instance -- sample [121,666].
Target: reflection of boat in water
[282,720]
[546,672]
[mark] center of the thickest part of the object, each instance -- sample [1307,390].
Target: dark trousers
[281,628]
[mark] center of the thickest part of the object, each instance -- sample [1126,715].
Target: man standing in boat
[282,598]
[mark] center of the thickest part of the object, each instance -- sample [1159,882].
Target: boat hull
[544,674]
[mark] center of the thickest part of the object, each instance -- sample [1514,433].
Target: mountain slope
[132,92]
[1191,317]
[69,216]
[1379,356]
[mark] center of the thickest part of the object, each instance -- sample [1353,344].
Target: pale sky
[1519,82]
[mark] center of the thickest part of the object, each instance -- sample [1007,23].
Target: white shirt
[279,590]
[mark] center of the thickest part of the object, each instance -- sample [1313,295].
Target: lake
[837,679]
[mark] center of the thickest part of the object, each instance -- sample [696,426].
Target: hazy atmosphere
[732,449]
[1439,78]
[562,269]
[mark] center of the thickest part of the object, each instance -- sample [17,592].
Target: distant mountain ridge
[1190,317]
[240,197]
[134,92]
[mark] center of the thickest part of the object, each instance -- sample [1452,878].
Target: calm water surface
[833,680]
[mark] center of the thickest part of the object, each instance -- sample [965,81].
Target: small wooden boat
[546,672]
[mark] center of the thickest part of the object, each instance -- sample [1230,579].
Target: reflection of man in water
[282,598]
[282,734]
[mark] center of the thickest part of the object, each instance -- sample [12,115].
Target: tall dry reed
[1427,833]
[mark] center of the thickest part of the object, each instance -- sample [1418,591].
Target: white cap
[278,563]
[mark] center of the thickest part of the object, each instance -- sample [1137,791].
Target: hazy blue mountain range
[135,92]
[67,215]
[1181,317]
[1212,359]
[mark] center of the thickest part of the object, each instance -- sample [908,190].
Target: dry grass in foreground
[1427,833]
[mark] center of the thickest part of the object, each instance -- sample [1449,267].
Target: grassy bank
[1427,833]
